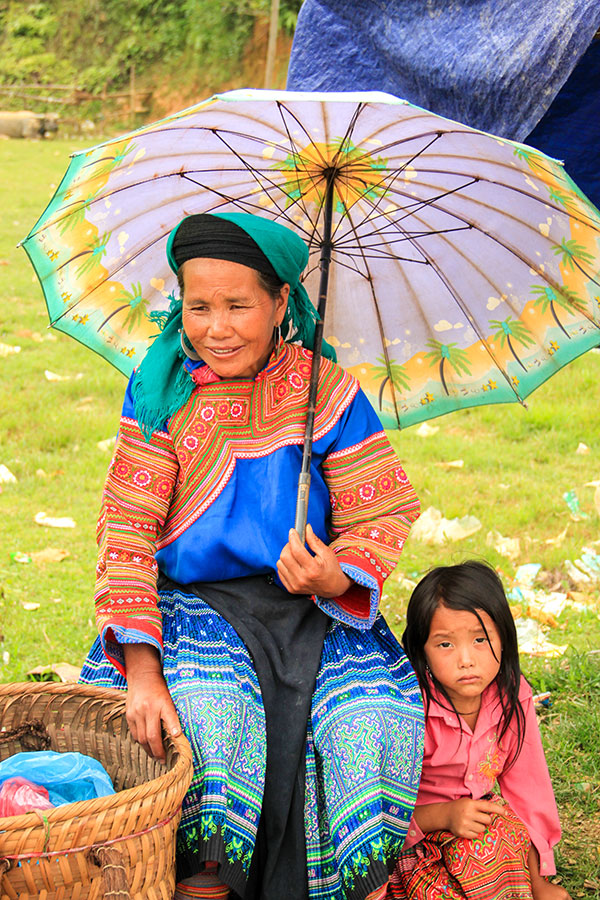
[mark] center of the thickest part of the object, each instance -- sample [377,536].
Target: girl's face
[460,655]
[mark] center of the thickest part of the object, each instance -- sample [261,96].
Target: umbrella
[465,266]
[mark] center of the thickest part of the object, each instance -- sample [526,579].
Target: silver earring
[277,335]
[187,347]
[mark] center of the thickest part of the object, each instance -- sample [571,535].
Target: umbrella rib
[404,165]
[309,234]
[113,193]
[457,299]
[297,155]
[509,249]
[421,204]
[440,134]
[226,199]
[468,224]
[99,283]
[377,253]
[379,320]
[396,174]
[115,271]
[583,220]
[252,172]
[351,268]
[281,106]
[101,197]
[346,138]
[515,252]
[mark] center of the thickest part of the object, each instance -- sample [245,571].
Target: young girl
[464,841]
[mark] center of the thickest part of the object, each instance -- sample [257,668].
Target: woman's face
[228,317]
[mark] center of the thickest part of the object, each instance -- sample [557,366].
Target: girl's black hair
[469,586]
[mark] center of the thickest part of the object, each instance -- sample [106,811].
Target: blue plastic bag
[66,776]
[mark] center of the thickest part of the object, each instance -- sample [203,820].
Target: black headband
[208,237]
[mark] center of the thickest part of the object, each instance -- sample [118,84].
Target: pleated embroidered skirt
[307,738]
[493,866]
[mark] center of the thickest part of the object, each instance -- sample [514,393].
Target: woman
[303,714]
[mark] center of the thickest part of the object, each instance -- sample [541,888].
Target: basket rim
[181,771]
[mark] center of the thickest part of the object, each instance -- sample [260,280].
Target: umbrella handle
[302,505]
[304,479]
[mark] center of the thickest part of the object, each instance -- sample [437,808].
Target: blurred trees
[94,43]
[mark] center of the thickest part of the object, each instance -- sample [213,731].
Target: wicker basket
[120,847]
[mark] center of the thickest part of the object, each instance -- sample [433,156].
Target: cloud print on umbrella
[474,258]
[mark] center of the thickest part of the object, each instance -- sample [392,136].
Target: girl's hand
[303,573]
[148,702]
[468,818]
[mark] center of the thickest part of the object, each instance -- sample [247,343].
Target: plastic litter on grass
[582,449]
[572,501]
[62,671]
[595,484]
[53,376]
[50,554]
[53,521]
[6,476]
[426,430]
[433,528]
[505,546]
[107,444]
[19,557]
[9,349]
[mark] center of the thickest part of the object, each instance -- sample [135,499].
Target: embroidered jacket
[212,496]
[467,764]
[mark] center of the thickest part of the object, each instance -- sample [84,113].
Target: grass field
[517,464]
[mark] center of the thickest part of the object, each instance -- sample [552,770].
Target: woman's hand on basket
[149,702]
[302,572]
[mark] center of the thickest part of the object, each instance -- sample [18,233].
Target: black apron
[284,634]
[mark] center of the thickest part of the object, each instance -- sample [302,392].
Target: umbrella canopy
[465,267]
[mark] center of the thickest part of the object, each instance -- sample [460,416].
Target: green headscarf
[161,384]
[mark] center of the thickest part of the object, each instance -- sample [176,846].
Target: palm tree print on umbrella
[533,159]
[136,306]
[571,251]
[457,359]
[96,250]
[557,195]
[111,162]
[390,371]
[548,298]
[512,328]
[76,216]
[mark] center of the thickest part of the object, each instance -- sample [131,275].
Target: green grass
[517,465]
[49,426]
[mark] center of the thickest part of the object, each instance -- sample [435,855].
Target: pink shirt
[467,765]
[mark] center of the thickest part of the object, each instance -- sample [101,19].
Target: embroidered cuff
[358,606]
[112,636]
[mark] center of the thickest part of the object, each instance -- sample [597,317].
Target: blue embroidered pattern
[364,745]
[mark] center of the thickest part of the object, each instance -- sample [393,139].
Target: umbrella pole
[304,479]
